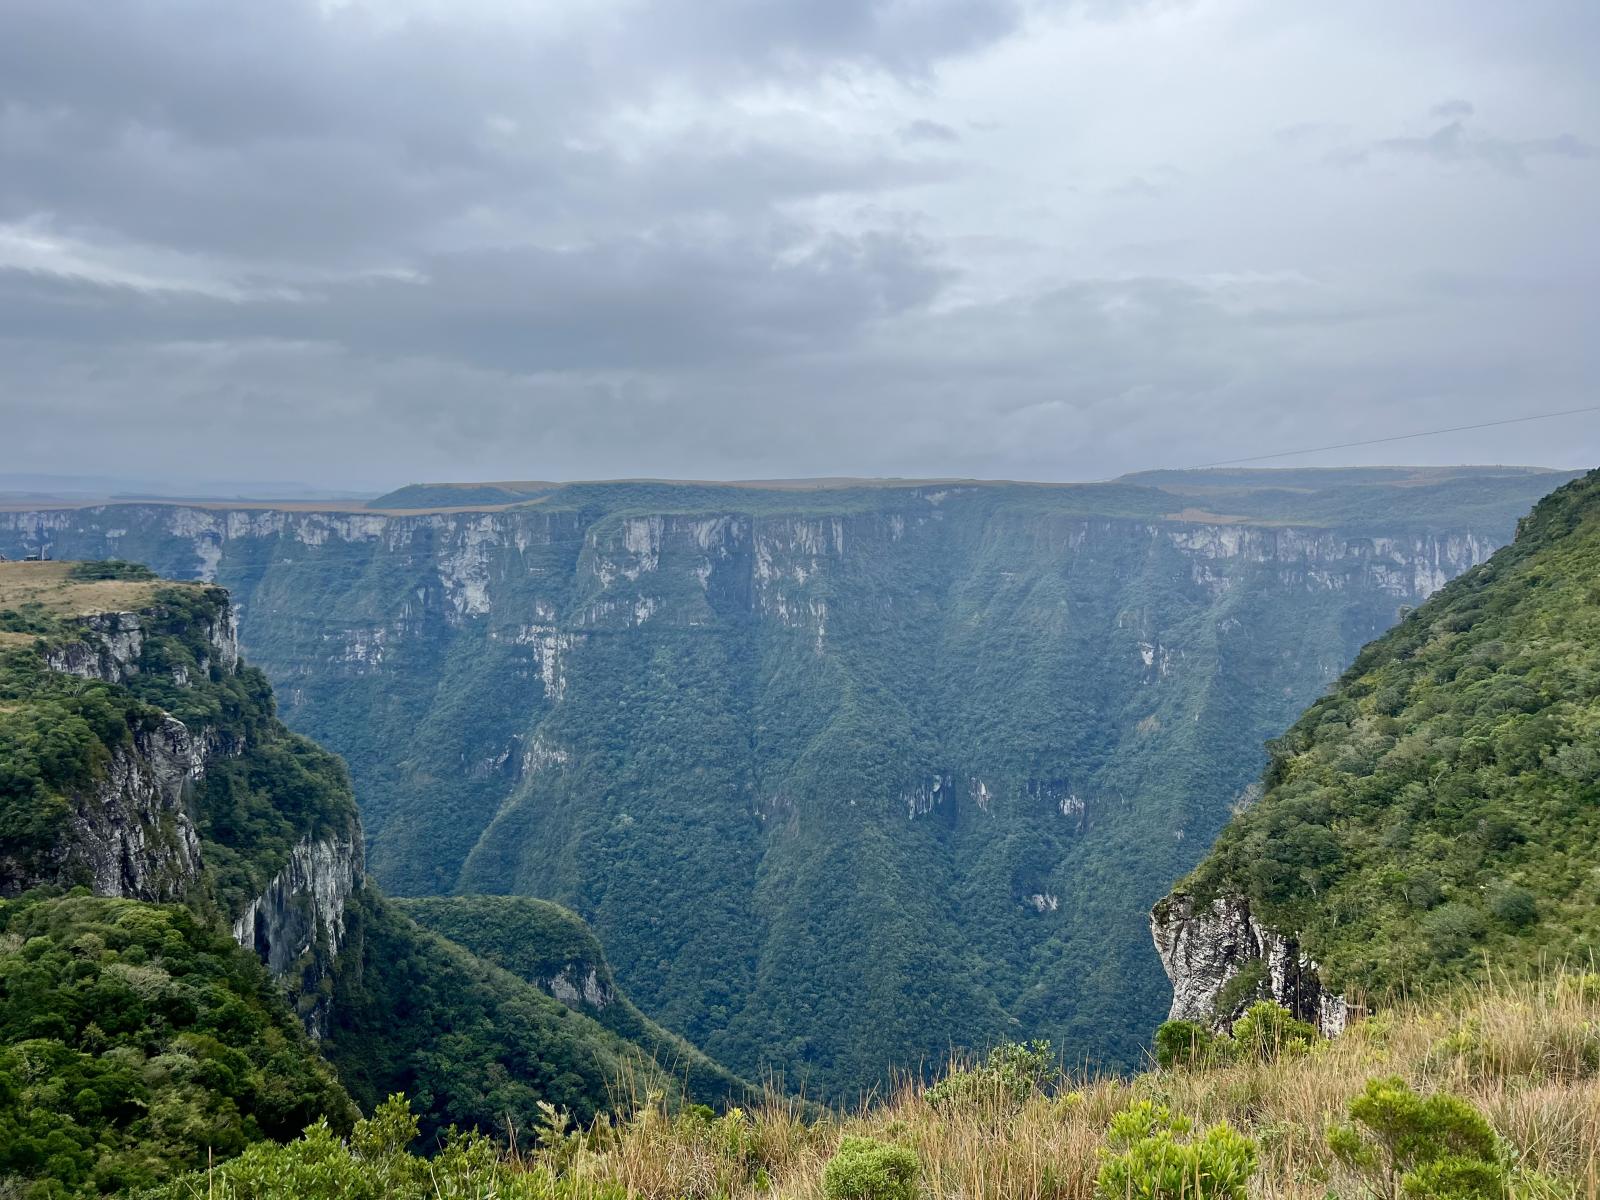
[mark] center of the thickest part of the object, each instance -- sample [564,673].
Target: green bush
[374,1165]
[1434,1147]
[1247,984]
[1268,1031]
[1185,1044]
[1012,1072]
[111,568]
[867,1169]
[1151,1155]
[1516,906]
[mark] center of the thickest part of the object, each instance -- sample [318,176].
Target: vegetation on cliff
[138,1039]
[470,1043]
[1442,804]
[550,947]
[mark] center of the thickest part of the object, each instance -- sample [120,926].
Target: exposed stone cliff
[297,925]
[130,833]
[997,719]
[1220,960]
[133,829]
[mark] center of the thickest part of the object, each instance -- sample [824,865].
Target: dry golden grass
[1527,1055]
[46,583]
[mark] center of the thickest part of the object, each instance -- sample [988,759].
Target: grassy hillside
[1442,804]
[1506,1078]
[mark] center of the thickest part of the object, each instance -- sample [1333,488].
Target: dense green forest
[841,776]
[138,1041]
[473,1045]
[1441,807]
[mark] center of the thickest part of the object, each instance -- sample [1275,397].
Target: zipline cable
[1399,437]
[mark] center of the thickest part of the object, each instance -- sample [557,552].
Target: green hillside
[1441,807]
[549,946]
[137,1041]
[473,1045]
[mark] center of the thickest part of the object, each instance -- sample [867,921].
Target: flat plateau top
[49,584]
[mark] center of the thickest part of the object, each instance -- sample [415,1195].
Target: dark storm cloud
[627,304]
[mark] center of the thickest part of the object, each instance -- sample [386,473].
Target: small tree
[1268,1031]
[1012,1072]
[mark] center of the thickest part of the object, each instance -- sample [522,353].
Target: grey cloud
[706,237]
[630,304]
[1455,143]
[1450,109]
[293,133]
[923,130]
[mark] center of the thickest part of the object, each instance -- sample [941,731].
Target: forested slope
[1440,808]
[181,902]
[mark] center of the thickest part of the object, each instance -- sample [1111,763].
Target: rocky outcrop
[1206,946]
[130,834]
[112,644]
[579,983]
[297,925]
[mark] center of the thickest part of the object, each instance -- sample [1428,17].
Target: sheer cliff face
[834,788]
[130,832]
[133,829]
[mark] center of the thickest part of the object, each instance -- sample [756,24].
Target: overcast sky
[360,243]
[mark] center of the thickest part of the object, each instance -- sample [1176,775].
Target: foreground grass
[1526,1056]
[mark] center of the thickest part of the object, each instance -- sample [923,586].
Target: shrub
[1184,1044]
[1268,1031]
[1012,1072]
[1151,1157]
[1436,1147]
[1247,984]
[867,1169]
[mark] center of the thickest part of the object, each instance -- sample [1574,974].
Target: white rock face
[115,640]
[302,911]
[130,835]
[1204,946]
[111,653]
[574,985]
